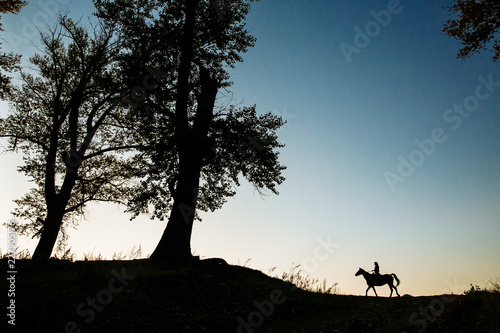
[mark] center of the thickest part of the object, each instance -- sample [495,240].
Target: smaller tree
[476,27]
[8,61]
[68,121]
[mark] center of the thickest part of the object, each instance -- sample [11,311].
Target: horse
[373,280]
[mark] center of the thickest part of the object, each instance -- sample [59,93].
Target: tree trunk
[56,208]
[49,234]
[175,243]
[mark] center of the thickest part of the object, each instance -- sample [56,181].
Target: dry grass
[305,282]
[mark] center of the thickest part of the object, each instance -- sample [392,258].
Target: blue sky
[349,123]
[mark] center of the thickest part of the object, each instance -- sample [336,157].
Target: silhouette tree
[8,61]
[476,27]
[68,121]
[198,150]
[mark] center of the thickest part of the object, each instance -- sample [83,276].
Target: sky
[392,150]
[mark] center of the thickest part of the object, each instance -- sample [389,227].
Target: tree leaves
[476,27]
[9,62]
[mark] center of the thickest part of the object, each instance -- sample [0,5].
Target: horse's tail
[397,280]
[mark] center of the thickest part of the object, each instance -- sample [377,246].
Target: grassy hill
[211,296]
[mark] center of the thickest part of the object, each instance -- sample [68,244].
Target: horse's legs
[397,291]
[372,287]
[391,285]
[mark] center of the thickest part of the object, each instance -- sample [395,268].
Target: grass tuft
[305,282]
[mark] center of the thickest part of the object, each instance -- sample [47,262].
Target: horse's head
[359,272]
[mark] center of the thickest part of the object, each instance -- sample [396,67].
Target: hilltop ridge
[211,296]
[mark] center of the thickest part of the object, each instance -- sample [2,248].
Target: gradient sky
[351,121]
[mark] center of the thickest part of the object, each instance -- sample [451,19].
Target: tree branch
[30,139]
[103,151]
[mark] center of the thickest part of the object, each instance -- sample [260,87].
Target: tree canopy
[8,61]
[476,25]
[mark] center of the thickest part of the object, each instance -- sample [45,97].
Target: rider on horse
[376,270]
[375,279]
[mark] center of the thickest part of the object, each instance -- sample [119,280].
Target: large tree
[200,148]
[8,61]
[70,121]
[476,25]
